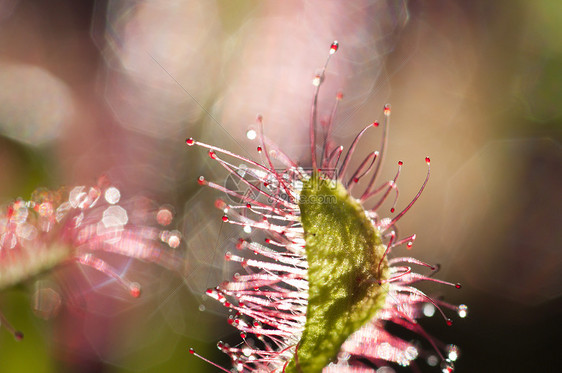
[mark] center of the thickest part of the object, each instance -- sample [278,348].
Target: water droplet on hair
[462,311]
[453,352]
[334,47]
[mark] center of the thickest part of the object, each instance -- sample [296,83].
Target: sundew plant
[56,227]
[319,293]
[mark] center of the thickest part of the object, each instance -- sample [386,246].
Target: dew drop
[189,141]
[453,352]
[334,47]
[462,311]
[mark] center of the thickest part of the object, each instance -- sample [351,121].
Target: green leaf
[343,250]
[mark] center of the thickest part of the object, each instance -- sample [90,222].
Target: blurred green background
[114,87]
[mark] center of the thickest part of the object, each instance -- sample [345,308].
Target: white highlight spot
[251,134]
[114,216]
[428,310]
[463,311]
[112,195]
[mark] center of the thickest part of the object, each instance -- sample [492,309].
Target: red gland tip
[386,110]
[376,123]
[400,163]
[427,160]
[248,206]
[18,335]
[201,180]
[189,141]
[334,47]
[392,209]
[191,351]
[225,218]
[449,322]
[339,96]
[458,285]
[135,290]
[212,154]
[259,149]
